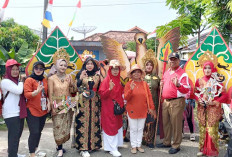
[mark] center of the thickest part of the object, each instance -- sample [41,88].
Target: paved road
[47,144]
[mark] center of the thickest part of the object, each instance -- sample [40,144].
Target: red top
[110,122]
[137,100]
[33,103]
[170,90]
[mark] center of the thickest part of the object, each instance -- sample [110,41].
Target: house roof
[120,36]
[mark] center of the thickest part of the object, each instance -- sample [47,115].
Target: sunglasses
[40,69]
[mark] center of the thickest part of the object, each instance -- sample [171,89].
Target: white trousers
[136,131]
[111,143]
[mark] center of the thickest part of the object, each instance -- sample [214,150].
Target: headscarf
[33,75]
[89,73]
[8,74]
[55,67]
[212,68]
[116,93]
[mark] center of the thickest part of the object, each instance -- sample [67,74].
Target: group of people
[99,117]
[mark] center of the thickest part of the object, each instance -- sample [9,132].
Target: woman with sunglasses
[35,90]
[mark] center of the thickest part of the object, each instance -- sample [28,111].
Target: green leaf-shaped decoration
[54,42]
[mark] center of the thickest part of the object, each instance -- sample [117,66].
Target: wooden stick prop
[168,49]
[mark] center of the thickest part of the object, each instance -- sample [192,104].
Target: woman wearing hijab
[14,103]
[88,131]
[36,90]
[112,90]
[153,81]
[60,86]
[139,103]
[209,110]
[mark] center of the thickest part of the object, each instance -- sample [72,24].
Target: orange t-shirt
[137,100]
[34,103]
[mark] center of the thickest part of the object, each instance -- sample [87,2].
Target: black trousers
[15,129]
[35,125]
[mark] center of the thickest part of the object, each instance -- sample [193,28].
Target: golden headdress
[61,54]
[87,54]
[208,56]
[149,56]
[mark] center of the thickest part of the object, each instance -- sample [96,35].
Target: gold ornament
[149,56]
[87,54]
[61,54]
[208,56]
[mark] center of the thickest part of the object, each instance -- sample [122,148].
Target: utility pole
[45,30]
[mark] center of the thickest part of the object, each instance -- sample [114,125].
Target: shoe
[200,154]
[141,150]
[161,145]
[115,153]
[133,150]
[173,150]
[41,154]
[84,154]
[64,150]
[60,155]
[192,137]
[20,155]
[126,139]
[151,145]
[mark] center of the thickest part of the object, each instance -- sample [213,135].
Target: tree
[13,35]
[190,20]
[151,44]
[23,55]
[219,13]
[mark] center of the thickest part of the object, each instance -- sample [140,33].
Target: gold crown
[208,56]
[149,56]
[87,54]
[61,54]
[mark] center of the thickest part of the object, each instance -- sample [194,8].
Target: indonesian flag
[152,34]
[48,15]
[3,10]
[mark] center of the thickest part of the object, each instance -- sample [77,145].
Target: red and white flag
[3,9]
[152,34]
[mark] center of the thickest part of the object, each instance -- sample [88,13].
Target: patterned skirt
[61,127]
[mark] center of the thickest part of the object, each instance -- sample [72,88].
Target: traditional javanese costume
[57,89]
[209,115]
[87,121]
[153,82]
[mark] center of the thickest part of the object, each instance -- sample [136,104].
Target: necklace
[61,77]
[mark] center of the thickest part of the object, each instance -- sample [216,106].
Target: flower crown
[208,56]
[61,54]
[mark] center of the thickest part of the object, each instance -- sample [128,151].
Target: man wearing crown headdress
[175,87]
[209,94]
[60,87]
[150,67]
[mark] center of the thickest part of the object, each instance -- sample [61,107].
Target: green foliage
[219,13]
[13,35]
[151,44]
[131,46]
[23,55]
[190,20]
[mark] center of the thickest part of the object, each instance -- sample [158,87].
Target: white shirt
[11,107]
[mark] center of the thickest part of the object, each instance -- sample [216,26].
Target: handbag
[118,110]
[150,118]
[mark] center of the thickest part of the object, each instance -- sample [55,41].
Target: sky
[120,15]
